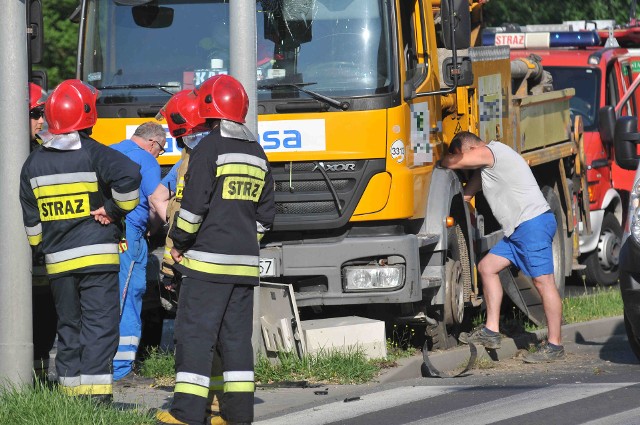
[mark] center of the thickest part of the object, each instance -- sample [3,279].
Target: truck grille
[307,194]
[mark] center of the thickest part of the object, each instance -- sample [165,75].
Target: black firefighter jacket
[228,198]
[61,183]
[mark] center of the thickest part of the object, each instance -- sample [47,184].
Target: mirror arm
[454,55]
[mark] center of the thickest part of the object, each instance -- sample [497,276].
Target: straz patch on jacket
[64,207]
[243,188]
[179,189]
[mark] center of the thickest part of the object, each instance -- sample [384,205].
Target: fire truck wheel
[602,264]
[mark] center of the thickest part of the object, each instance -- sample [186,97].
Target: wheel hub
[454,302]
[608,249]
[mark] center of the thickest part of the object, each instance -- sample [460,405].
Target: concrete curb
[456,358]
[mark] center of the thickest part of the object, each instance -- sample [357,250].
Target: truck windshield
[144,52]
[586,83]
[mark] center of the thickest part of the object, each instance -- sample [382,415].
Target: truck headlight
[373,277]
[634,212]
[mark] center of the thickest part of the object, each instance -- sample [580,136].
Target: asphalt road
[598,383]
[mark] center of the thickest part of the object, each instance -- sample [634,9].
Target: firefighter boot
[163,417]
[217,420]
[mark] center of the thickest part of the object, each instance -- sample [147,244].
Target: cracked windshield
[334,47]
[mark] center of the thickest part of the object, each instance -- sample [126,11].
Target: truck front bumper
[315,269]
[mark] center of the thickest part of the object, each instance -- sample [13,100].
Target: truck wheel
[557,246]
[602,264]
[458,277]
[634,340]
[439,338]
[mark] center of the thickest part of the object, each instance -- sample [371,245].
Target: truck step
[426,239]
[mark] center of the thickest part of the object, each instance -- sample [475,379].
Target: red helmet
[37,96]
[222,96]
[181,113]
[71,107]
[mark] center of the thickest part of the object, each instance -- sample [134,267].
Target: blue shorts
[529,246]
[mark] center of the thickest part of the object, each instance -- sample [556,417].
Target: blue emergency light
[541,40]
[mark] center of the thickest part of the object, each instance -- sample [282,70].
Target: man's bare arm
[476,157]
[473,186]
[158,204]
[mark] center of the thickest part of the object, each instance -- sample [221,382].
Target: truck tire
[602,264]
[458,277]
[558,245]
[634,340]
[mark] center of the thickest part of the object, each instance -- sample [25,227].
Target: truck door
[619,79]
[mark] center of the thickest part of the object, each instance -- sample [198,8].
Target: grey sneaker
[545,353]
[481,336]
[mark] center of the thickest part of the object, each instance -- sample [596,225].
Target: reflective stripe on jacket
[228,195]
[59,187]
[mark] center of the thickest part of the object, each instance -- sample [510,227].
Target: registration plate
[267,267]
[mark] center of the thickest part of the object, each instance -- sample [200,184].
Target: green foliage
[41,405]
[497,12]
[60,40]
[602,302]
[399,345]
[158,364]
[338,367]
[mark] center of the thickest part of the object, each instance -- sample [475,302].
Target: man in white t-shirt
[529,226]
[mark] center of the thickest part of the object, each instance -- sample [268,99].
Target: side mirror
[39,77]
[607,124]
[464,70]
[35,31]
[149,16]
[456,22]
[625,140]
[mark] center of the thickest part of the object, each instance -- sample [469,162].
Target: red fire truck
[601,75]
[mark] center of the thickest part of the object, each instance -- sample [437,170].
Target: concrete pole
[16,339]
[242,32]
[242,44]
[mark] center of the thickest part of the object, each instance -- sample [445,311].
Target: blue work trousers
[133,283]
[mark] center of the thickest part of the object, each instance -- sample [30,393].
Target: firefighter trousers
[88,313]
[210,313]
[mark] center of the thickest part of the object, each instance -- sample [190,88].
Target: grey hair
[150,130]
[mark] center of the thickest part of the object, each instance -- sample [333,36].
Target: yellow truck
[356,100]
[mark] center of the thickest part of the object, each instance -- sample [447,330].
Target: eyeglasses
[36,113]
[159,146]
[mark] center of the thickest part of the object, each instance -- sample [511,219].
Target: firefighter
[44,312]
[37,98]
[185,124]
[228,197]
[143,148]
[73,190]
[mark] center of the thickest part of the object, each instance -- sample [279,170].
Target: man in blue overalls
[146,144]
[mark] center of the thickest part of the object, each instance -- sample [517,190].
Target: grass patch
[331,367]
[483,364]
[602,302]
[41,405]
[158,364]
[399,345]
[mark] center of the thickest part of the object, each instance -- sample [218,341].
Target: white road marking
[339,411]
[521,404]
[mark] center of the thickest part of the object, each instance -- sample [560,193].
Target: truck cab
[601,76]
